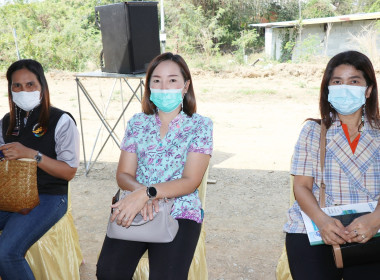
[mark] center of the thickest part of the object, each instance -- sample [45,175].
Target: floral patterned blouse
[161,160]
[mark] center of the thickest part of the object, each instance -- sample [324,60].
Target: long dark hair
[36,68]
[361,63]
[189,103]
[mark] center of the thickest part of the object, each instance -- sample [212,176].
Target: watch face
[38,157]
[152,191]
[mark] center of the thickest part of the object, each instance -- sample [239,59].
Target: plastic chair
[57,254]
[282,269]
[198,268]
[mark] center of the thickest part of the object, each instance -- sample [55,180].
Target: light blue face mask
[166,100]
[345,99]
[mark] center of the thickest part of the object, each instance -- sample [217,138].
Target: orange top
[354,143]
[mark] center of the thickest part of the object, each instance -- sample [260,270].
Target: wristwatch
[151,192]
[38,157]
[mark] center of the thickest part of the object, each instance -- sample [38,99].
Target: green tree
[59,34]
[318,9]
[62,34]
[364,6]
[245,43]
[226,18]
[375,7]
[344,7]
[285,11]
[190,30]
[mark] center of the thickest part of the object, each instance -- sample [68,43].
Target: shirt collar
[337,123]
[175,122]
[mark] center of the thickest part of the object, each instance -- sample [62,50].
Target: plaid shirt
[349,178]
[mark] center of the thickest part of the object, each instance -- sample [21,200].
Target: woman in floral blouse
[164,154]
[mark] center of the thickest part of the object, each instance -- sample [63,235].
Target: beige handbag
[162,229]
[18,185]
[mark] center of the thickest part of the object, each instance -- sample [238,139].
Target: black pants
[119,258]
[317,262]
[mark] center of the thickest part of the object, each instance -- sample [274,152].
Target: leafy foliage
[318,9]
[247,39]
[190,35]
[283,12]
[344,7]
[216,23]
[309,48]
[62,34]
[364,6]
[375,7]
[288,43]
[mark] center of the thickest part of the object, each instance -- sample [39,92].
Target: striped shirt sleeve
[306,151]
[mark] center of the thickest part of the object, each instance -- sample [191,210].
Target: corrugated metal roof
[343,18]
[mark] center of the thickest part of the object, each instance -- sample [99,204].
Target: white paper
[312,229]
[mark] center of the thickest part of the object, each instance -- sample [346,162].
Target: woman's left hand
[126,209]
[16,150]
[363,228]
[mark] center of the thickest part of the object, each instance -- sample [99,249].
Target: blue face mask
[166,100]
[345,99]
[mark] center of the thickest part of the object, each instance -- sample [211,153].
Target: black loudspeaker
[130,36]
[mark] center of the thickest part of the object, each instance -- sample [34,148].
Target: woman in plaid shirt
[349,108]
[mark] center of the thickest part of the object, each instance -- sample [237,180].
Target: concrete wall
[273,49]
[314,40]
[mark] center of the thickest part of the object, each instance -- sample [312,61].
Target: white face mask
[346,99]
[26,100]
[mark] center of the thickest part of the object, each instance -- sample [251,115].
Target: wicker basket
[18,185]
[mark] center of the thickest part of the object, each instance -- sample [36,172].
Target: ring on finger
[356,232]
[363,236]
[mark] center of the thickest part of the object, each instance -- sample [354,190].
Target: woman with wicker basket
[34,129]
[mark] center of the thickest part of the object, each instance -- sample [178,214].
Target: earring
[361,125]
[363,115]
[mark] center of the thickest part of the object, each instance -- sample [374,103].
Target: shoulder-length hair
[361,63]
[189,103]
[36,68]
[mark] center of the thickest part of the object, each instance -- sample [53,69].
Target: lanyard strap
[322,148]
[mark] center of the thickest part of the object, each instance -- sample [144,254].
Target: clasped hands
[360,230]
[126,209]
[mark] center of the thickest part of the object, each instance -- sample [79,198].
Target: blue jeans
[20,232]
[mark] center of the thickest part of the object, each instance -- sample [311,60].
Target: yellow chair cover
[57,254]
[282,269]
[198,268]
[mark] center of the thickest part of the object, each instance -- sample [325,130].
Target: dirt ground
[257,115]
